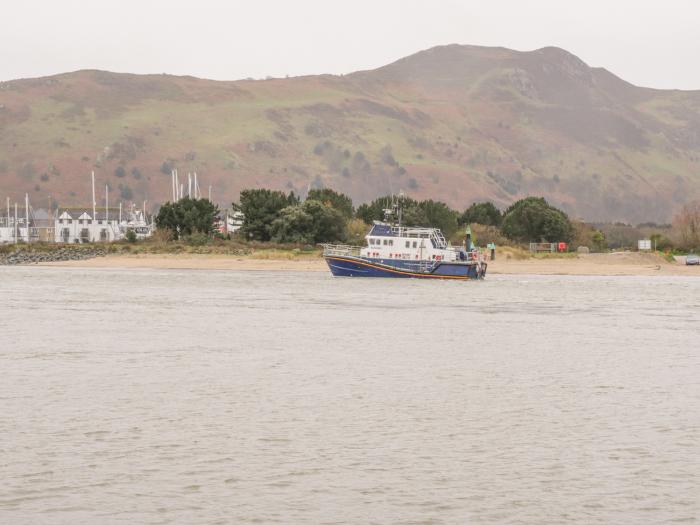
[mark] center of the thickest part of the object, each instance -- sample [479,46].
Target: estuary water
[167,396]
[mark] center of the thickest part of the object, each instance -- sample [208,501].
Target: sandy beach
[622,263]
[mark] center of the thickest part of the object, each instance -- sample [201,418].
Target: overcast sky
[649,43]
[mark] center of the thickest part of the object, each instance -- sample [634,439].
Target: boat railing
[341,250]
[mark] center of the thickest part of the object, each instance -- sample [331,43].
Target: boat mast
[26,214]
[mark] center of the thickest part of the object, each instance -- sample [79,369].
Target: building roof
[75,212]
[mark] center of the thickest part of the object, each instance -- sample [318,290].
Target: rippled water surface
[148,396]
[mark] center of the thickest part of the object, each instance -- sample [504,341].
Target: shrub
[196,239]
[130,236]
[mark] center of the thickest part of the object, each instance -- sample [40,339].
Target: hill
[456,123]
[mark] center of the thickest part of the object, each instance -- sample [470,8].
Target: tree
[439,215]
[427,213]
[308,223]
[187,216]
[332,198]
[125,192]
[599,241]
[533,219]
[120,172]
[374,211]
[687,225]
[482,213]
[260,207]
[355,231]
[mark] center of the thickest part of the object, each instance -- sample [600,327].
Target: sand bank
[197,262]
[624,263]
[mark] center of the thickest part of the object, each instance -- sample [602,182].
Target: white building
[75,225]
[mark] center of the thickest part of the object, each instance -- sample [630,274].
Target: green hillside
[456,123]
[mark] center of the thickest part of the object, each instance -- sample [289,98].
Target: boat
[393,250]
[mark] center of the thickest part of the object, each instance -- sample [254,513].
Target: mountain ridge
[455,123]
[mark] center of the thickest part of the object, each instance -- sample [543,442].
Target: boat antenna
[399,206]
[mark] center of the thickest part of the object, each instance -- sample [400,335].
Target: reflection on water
[231,397]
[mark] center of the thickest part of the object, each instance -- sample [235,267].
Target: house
[77,225]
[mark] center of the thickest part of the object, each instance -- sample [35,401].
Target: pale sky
[649,43]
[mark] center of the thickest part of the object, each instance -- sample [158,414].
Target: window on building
[415,244]
[408,244]
[391,242]
[385,242]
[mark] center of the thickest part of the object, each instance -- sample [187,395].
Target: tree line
[330,216]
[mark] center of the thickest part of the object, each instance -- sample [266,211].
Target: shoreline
[608,264]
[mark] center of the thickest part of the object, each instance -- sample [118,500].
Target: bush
[599,241]
[130,236]
[161,235]
[196,239]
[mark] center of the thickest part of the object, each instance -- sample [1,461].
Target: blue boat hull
[360,267]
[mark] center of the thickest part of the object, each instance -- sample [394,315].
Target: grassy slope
[455,123]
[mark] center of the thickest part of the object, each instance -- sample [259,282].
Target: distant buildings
[74,225]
